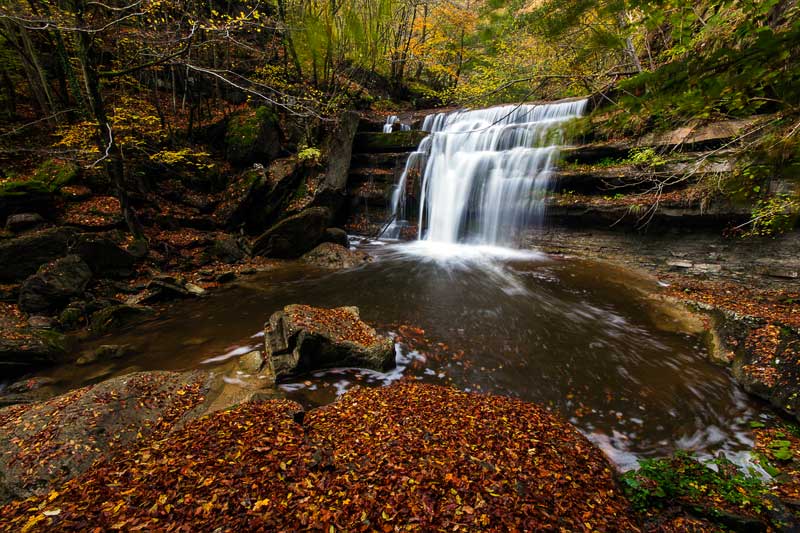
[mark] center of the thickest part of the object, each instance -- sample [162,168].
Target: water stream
[575,336]
[578,337]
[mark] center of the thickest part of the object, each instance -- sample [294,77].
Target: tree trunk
[112,155]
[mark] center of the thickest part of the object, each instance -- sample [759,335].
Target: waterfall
[485,173]
[391,120]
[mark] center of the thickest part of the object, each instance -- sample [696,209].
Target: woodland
[155,153]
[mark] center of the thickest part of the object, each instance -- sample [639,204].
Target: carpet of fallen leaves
[409,457]
[52,440]
[682,198]
[772,305]
[96,212]
[11,317]
[341,324]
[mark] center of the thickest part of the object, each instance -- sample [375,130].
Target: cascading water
[391,120]
[484,172]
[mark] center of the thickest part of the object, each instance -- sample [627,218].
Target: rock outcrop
[55,440]
[54,284]
[294,236]
[335,256]
[22,256]
[301,338]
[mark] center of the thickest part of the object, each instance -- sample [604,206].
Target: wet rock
[301,338]
[104,353]
[225,277]
[336,236]
[163,288]
[42,322]
[329,255]
[91,422]
[680,264]
[22,256]
[227,249]
[54,284]
[73,317]
[293,236]
[24,222]
[104,256]
[119,316]
[32,389]
[28,348]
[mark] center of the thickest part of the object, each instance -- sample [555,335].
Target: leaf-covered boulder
[22,349]
[409,457]
[54,285]
[55,440]
[335,256]
[301,338]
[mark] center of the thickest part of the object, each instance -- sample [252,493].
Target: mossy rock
[55,174]
[119,316]
[253,136]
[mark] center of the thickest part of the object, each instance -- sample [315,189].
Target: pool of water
[576,336]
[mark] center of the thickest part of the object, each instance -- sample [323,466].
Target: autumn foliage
[409,457]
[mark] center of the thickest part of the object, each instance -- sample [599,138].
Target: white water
[391,120]
[484,173]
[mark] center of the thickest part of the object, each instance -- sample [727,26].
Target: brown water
[575,336]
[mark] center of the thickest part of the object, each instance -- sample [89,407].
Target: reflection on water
[571,335]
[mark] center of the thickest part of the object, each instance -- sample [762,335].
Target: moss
[245,130]
[55,341]
[48,178]
[23,188]
[56,174]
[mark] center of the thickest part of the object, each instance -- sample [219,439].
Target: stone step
[377,175]
[398,141]
[387,160]
[607,212]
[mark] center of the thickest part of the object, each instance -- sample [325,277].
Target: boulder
[22,256]
[255,198]
[28,390]
[104,352]
[337,150]
[103,255]
[52,441]
[330,255]
[293,236]
[119,316]
[253,136]
[336,236]
[29,348]
[166,288]
[54,284]
[227,249]
[23,222]
[301,339]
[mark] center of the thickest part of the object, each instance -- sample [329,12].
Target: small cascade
[485,173]
[391,120]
